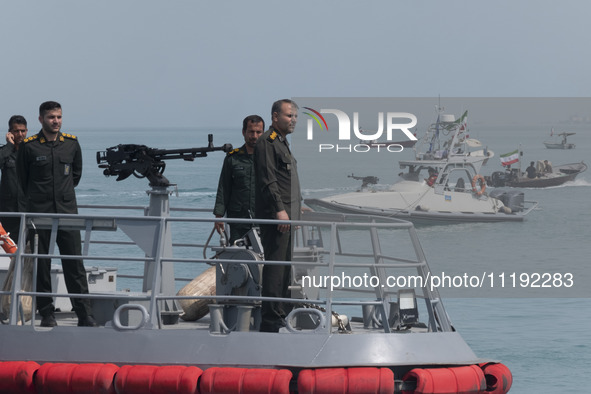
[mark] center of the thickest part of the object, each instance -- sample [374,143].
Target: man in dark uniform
[235,197]
[531,171]
[278,197]
[49,166]
[10,196]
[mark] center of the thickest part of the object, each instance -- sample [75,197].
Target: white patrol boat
[442,184]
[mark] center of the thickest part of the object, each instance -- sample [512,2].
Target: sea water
[543,337]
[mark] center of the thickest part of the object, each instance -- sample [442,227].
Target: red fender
[465,379]
[346,381]
[151,379]
[498,378]
[75,378]
[17,376]
[245,381]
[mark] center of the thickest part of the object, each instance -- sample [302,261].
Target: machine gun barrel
[188,154]
[130,159]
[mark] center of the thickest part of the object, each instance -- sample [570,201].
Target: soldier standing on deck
[49,166]
[10,195]
[278,197]
[235,196]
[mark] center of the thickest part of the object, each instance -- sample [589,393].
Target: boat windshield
[451,175]
[420,173]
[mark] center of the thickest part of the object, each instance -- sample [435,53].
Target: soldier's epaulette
[31,138]
[70,136]
[233,151]
[272,136]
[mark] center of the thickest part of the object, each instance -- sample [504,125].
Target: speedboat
[442,184]
[558,176]
[342,335]
[563,144]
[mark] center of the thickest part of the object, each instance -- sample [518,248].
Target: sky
[147,63]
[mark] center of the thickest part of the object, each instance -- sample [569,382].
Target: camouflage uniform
[235,196]
[47,172]
[278,188]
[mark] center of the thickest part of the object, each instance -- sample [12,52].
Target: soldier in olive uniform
[10,196]
[278,197]
[235,196]
[49,166]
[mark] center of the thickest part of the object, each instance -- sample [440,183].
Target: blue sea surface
[544,337]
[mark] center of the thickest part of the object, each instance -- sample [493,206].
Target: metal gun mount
[126,159]
[143,162]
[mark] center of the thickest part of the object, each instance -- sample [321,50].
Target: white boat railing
[353,246]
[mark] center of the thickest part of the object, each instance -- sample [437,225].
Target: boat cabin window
[457,180]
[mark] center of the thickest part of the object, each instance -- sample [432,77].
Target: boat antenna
[439,108]
[520,158]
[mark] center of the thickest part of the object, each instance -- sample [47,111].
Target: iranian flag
[509,158]
[463,121]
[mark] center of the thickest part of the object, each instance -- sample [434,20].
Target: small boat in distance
[563,144]
[558,176]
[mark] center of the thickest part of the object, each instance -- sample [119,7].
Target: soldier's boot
[84,313]
[48,316]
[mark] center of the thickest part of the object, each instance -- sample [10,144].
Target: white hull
[420,206]
[423,204]
[410,196]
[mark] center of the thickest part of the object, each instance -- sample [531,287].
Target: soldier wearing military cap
[236,188]
[49,167]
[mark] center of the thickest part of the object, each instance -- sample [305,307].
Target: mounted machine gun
[126,159]
[143,162]
[365,180]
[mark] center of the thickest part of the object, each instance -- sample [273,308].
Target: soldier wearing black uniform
[49,166]
[10,195]
[278,197]
[235,196]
